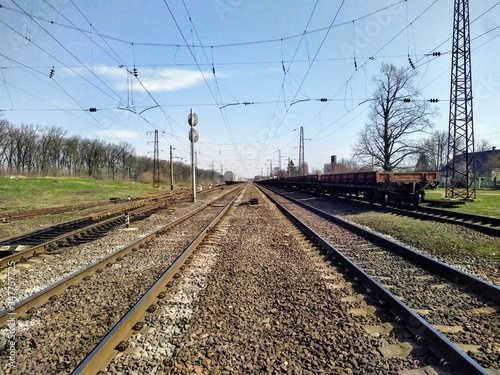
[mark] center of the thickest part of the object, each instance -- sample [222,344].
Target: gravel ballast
[263,300]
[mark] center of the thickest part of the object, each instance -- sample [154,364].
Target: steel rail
[485,224]
[59,240]
[444,270]
[450,356]
[490,225]
[38,299]
[98,221]
[115,340]
[20,215]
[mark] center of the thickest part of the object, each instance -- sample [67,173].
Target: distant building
[486,168]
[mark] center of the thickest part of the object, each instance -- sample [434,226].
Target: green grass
[34,193]
[437,238]
[487,202]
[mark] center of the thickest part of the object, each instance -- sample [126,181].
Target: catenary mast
[460,164]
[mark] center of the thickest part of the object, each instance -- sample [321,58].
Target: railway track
[485,224]
[89,228]
[200,350]
[116,341]
[452,313]
[7,217]
[22,215]
[83,307]
[50,239]
[262,309]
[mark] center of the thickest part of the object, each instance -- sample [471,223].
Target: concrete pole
[193,170]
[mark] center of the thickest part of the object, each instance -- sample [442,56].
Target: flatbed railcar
[373,186]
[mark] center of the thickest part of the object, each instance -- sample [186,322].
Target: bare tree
[5,129]
[24,144]
[433,152]
[69,156]
[33,149]
[50,144]
[482,145]
[396,116]
[93,155]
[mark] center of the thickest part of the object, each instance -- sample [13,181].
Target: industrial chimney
[333,162]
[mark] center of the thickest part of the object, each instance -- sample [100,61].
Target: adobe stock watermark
[222,7]
[11,323]
[485,87]
[29,28]
[366,31]
[254,146]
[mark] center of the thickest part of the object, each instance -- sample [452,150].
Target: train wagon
[373,186]
[232,178]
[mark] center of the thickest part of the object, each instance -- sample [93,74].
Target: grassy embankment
[23,194]
[487,202]
[437,237]
[19,194]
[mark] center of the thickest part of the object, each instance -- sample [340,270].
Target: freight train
[375,187]
[232,178]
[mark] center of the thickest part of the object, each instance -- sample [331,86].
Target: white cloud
[155,80]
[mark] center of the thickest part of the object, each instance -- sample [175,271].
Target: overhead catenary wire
[222,97]
[200,70]
[227,45]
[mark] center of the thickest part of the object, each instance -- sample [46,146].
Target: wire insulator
[323,100]
[406,100]
[433,100]
[436,53]
[135,72]
[92,109]
[52,71]
[411,62]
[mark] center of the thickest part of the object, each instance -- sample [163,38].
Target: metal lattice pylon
[301,152]
[460,165]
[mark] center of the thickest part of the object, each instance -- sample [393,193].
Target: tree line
[48,151]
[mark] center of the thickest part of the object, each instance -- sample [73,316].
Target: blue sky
[213,56]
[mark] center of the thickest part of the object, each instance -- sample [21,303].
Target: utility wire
[227,45]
